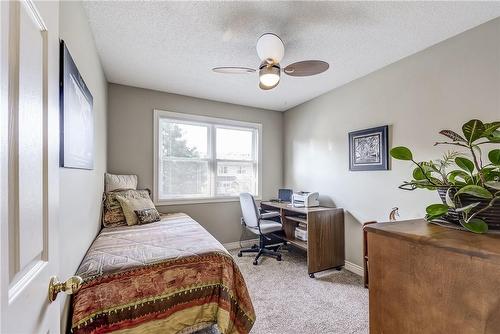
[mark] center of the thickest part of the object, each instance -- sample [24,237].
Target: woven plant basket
[490,216]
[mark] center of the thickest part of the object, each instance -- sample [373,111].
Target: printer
[305,199]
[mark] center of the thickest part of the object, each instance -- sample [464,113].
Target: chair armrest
[271,214]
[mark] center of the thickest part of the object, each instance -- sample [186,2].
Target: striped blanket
[166,277]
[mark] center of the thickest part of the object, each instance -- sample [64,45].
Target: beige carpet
[287,301]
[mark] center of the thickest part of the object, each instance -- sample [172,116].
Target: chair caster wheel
[254,246]
[239,254]
[278,258]
[311,275]
[338,268]
[255,263]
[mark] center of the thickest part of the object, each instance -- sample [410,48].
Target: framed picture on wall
[76,116]
[368,149]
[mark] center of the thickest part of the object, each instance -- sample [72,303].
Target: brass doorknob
[69,287]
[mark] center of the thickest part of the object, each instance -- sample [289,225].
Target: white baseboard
[354,268]
[244,243]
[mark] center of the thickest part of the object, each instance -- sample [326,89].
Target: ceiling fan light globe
[269,75]
[269,79]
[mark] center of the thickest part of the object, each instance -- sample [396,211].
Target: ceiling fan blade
[233,70]
[306,68]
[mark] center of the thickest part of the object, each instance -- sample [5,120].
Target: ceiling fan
[270,49]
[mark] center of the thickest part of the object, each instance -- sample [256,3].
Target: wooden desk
[325,234]
[426,278]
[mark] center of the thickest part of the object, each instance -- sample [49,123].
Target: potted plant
[468,186]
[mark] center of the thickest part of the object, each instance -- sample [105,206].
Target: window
[204,159]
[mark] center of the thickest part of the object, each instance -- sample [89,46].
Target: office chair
[261,225]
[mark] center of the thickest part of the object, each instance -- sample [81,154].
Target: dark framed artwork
[76,116]
[368,149]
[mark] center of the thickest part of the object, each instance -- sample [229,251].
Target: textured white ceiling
[172,46]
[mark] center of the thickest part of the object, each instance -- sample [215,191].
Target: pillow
[130,205]
[116,182]
[113,214]
[146,216]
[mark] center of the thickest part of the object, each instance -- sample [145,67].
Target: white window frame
[214,123]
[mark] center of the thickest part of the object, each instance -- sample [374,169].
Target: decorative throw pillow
[120,182]
[146,216]
[129,205]
[113,214]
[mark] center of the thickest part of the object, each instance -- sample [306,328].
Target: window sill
[199,201]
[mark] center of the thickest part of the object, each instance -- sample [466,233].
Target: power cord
[243,231]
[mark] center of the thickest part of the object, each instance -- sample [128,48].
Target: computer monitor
[285,195]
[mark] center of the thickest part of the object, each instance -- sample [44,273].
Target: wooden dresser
[430,279]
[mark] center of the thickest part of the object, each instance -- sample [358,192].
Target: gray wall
[81,190]
[130,147]
[440,87]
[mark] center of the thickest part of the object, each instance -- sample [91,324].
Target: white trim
[354,268]
[208,119]
[214,122]
[35,14]
[244,243]
[204,200]
[349,266]
[199,200]
[155,157]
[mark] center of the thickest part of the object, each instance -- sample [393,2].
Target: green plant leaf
[491,174]
[476,191]
[429,166]
[493,184]
[475,225]
[465,164]
[448,199]
[422,184]
[452,135]
[431,218]
[457,173]
[436,210]
[424,171]
[489,128]
[473,130]
[437,182]
[467,208]
[494,156]
[418,174]
[401,153]
[494,137]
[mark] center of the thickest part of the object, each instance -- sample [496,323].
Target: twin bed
[171,276]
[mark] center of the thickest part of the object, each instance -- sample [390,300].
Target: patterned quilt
[171,276]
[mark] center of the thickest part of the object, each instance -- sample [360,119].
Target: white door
[29,131]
